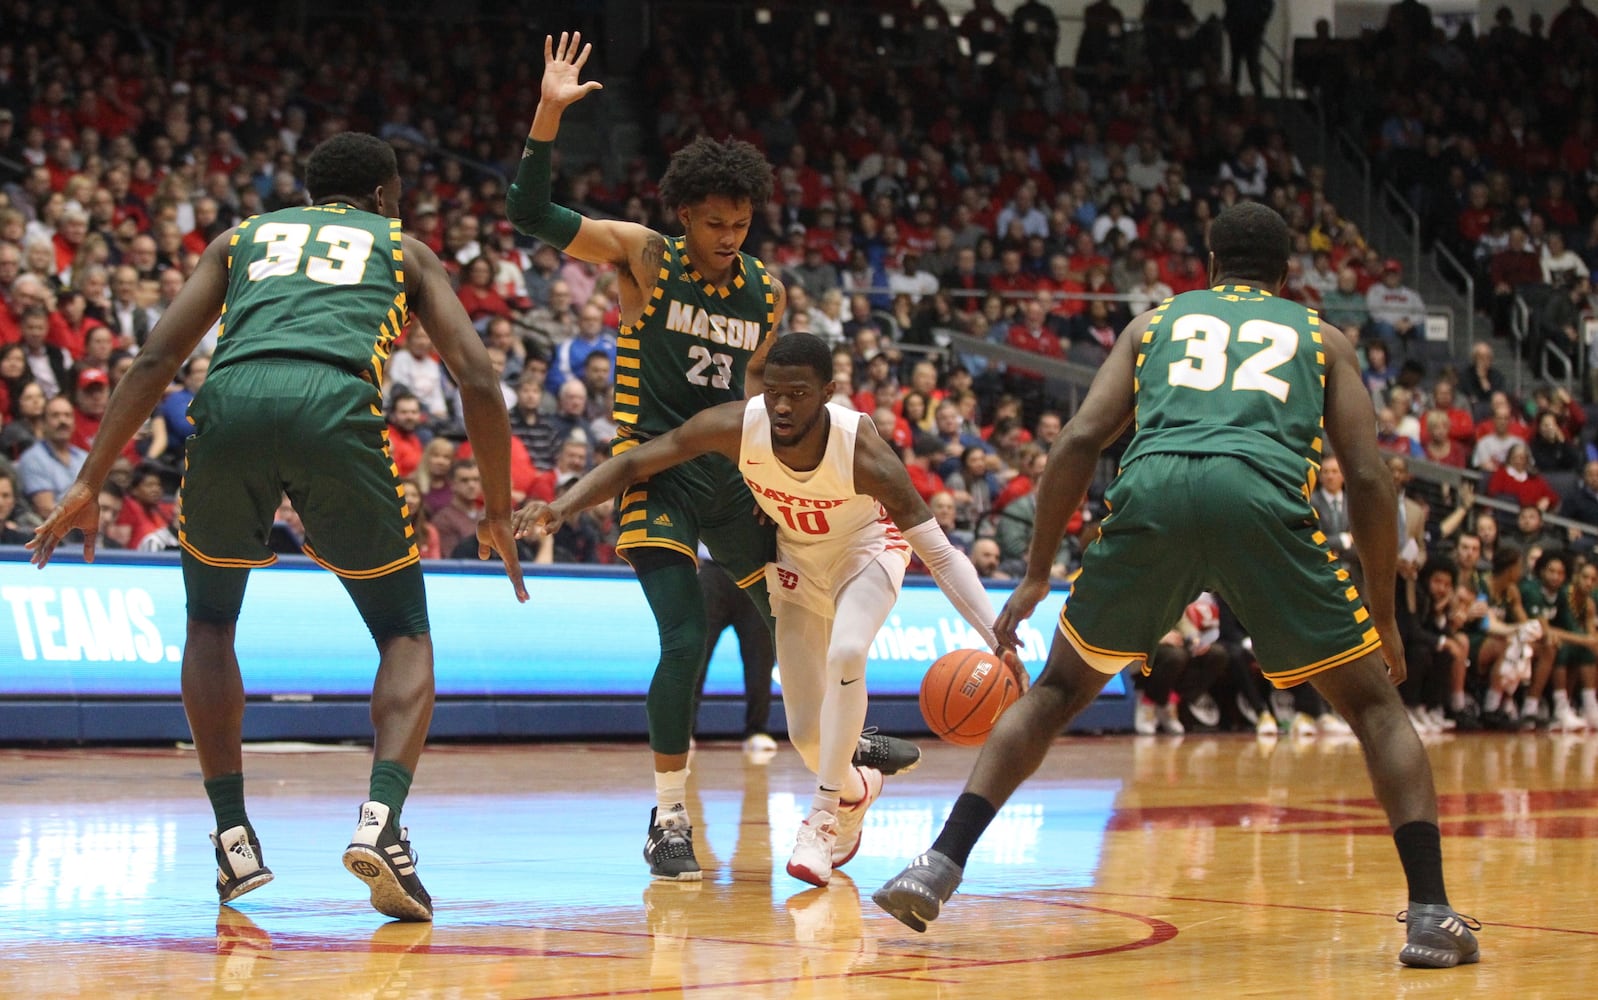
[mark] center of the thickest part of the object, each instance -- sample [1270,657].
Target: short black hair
[1549,557]
[353,164]
[1250,240]
[803,350]
[1440,566]
[733,169]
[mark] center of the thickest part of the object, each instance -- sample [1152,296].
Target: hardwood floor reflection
[1145,868]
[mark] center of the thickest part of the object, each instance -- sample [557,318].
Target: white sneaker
[1419,718]
[1165,718]
[1303,727]
[760,749]
[1589,715]
[1332,724]
[1144,722]
[1267,728]
[1205,710]
[1440,720]
[812,850]
[1566,718]
[852,817]
[1247,711]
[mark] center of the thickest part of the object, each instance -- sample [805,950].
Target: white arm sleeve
[955,576]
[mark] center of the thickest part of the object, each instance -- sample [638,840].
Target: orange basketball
[964,693]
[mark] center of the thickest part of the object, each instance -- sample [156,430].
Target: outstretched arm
[487,421]
[879,473]
[718,429]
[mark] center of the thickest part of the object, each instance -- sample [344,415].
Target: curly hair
[351,164]
[1250,240]
[732,169]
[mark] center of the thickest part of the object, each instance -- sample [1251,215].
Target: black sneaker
[888,754]
[916,895]
[1467,719]
[1438,937]
[239,866]
[382,857]
[670,849]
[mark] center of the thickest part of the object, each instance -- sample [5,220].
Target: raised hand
[494,536]
[78,508]
[562,63]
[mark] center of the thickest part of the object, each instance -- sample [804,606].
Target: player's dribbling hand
[535,519]
[78,508]
[494,535]
[1023,601]
[562,63]
[1017,668]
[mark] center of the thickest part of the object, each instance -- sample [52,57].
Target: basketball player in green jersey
[310,299]
[1233,393]
[697,317]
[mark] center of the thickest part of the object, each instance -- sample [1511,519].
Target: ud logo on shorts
[788,578]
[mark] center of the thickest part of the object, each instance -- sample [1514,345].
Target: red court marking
[1160,932]
[1311,909]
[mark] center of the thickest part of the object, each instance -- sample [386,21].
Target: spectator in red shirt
[1012,279]
[1519,481]
[1034,334]
[1461,427]
[1511,269]
[1499,406]
[924,451]
[477,294]
[1438,445]
[405,432]
[145,509]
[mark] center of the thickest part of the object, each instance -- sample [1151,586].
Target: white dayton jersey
[827,532]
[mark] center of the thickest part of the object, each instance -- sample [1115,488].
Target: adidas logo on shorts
[663,520]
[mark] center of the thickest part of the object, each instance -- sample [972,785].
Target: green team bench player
[697,319]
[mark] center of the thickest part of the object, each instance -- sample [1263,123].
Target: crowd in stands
[1489,135]
[935,178]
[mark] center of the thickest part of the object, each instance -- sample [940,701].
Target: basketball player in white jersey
[847,518]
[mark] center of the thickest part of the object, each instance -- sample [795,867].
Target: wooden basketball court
[1148,867]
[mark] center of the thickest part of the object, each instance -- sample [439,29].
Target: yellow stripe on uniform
[752,579]
[630,381]
[366,574]
[639,538]
[183,540]
[1294,677]
[623,361]
[634,516]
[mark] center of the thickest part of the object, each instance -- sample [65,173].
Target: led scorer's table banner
[116,629]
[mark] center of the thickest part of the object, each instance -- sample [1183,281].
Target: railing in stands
[1442,255]
[1451,478]
[1395,200]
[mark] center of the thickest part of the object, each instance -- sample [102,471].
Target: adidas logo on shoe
[242,849]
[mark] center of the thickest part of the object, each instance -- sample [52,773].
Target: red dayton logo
[788,578]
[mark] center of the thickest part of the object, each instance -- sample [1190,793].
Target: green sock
[391,782]
[227,801]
